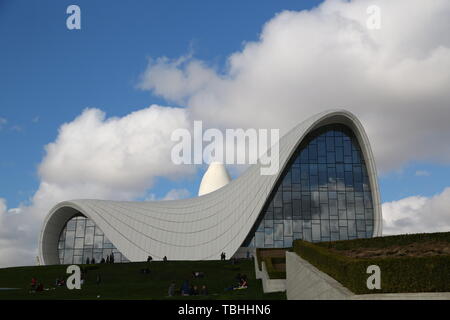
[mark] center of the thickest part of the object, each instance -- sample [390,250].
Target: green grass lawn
[125,281]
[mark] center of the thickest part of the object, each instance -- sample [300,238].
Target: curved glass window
[324,195]
[81,240]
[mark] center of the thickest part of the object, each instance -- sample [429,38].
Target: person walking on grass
[171,290]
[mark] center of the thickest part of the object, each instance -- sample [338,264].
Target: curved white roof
[203,227]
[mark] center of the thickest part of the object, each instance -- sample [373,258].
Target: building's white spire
[214,178]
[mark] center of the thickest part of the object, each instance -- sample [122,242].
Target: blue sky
[49,74]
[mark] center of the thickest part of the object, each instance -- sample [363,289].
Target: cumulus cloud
[417,214]
[3,121]
[178,79]
[117,155]
[394,79]
[176,194]
[17,237]
[2,206]
[94,157]
[173,194]
[422,173]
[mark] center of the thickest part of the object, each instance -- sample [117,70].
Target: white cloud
[177,79]
[2,206]
[395,79]
[176,194]
[117,155]
[16,128]
[3,121]
[94,157]
[422,173]
[17,237]
[173,194]
[417,214]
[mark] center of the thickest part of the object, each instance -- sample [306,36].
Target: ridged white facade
[198,228]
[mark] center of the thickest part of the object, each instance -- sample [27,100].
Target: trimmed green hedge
[270,261]
[383,242]
[258,254]
[273,273]
[398,274]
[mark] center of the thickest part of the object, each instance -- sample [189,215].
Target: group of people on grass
[223,256]
[188,289]
[150,259]
[242,282]
[109,259]
[36,286]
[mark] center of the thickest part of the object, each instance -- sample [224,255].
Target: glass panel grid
[324,195]
[81,240]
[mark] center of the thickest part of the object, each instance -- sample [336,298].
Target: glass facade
[324,195]
[81,239]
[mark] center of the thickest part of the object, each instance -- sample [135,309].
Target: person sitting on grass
[204,290]
[59,282]
[40,287]
[145,270]
[185,288]
[243,284]
[171,291]
[195,291]
[33,284]
[197,274]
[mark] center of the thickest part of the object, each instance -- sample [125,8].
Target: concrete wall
[306,282]
[258,273]
[269,285]
[404,296]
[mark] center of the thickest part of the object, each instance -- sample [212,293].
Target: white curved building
[326,190]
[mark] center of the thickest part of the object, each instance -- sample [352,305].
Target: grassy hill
[125,281]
